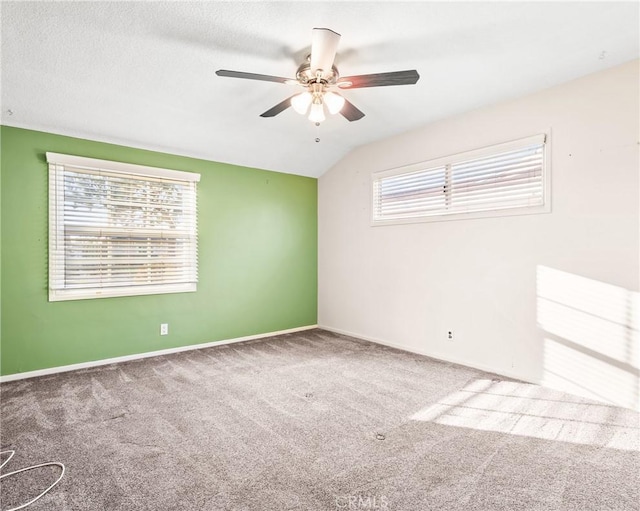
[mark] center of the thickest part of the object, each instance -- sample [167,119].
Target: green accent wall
[257,251]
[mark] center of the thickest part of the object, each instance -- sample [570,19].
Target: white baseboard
[437,356]
[137,356]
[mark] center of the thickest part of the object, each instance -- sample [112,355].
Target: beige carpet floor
[312,421]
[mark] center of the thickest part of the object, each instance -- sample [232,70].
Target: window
[507,179]
[117,229]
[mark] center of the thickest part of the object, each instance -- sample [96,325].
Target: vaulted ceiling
[143,73]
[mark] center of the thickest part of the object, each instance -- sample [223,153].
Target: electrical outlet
[449,335]
[164,329]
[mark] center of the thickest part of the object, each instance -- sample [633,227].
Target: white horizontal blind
[506,177]
[510,179]
[412,194]
[115,233]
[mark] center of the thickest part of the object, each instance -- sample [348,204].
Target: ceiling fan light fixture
[301,102]
[318,76]
[317,113]
[334,102]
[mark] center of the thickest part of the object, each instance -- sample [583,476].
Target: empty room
[319,256]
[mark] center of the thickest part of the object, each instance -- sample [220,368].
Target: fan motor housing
[305,76]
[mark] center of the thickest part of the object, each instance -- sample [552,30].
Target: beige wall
[549,298]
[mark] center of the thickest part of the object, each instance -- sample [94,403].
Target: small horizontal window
[117,229]
[509,179]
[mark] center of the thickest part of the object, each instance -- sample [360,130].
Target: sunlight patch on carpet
[529,410]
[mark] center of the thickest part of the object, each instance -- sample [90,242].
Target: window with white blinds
[117,229]
[511,178]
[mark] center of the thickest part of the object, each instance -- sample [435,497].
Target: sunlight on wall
[591,344]
[530,410]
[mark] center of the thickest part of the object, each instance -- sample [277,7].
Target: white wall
[548,298]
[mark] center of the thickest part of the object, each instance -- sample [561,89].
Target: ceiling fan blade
[379,79]
[252,76]
[350,112]
[324,44]
[280,107]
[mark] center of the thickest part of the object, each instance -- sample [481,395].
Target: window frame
[447,161]
[56,168]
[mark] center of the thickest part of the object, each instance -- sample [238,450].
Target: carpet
[312,421]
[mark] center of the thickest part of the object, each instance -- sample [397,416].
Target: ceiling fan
[321,81]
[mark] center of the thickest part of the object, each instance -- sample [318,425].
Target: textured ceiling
[143,74]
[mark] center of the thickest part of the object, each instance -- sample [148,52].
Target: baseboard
[137,356]
[430,354]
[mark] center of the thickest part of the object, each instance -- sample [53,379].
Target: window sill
[58,295]
[494,213]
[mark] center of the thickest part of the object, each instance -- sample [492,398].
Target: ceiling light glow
[301,102]
[334,102]
[317,113]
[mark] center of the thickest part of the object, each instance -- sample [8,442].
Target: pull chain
[317,132]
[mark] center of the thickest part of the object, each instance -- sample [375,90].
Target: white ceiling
[143,74]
